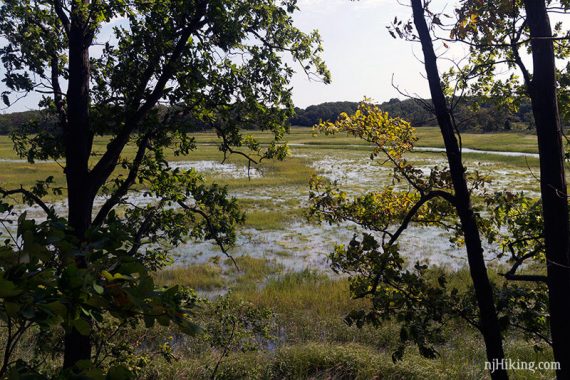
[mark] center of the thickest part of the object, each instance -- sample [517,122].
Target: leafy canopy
[421,298]
[156,70]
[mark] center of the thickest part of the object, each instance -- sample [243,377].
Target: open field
[283,265]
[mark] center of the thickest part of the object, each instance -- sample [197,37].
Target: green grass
[311,307]
[306,290]
[15,174]
[313,342]
[312,339]
[430,137]
[272,214]
[198,276]
[502,142]
[251,272]
[269,220]
[291,172]
[309,361]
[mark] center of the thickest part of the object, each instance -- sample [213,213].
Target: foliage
[237,326]
[40,290]
[216,64]
[409,293]
[497,36]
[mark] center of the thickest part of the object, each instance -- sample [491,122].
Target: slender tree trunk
[542,91]
[488,321]
[78,142]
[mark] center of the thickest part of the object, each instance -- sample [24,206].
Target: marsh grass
[311,361]
[251,272]
[264,214]
[312,340]
[294,171]
[198,276]
[429,137]
[269,220]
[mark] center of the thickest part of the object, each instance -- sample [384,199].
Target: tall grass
[198,276]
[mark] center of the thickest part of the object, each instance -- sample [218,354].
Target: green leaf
[98,288]
[148,321]
[12,308]
[163,320]
[8,289]
[57,308]
[188,327]
[82,326]
[119,373]
[108,276]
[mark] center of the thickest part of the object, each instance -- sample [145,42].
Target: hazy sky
[359,52]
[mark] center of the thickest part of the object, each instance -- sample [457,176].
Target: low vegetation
[298,315]
[308,338]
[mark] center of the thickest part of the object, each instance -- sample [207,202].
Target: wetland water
[298,243]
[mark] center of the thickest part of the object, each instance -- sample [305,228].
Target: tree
[542,91]
[489,322]
[222,62]
[497,30]
[375,267]
[497,33]
[423,300]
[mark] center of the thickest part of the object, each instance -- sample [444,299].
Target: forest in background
[473,115]
[485,117]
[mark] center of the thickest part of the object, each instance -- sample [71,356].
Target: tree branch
[414,210]
[212,230]
[28,194]
[62,16]
[127,183]
[106,164]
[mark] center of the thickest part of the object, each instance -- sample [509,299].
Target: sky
[361,55]
[359,52]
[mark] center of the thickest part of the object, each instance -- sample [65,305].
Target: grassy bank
[311,341]
[294,171]
[289,326]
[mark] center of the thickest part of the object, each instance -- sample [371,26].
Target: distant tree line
[485,117]
[10,121]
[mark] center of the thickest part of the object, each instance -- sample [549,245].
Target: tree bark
[488,321]
[542,91]
[78,142]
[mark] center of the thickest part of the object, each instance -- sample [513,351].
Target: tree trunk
[488,321]
[78,142]
[542,91]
